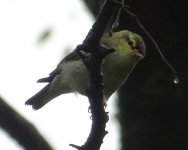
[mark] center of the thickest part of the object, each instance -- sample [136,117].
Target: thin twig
[153,41]
[126,8]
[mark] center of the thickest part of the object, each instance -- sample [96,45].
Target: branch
[20,129]
[91,45]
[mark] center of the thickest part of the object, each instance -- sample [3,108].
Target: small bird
[72,76]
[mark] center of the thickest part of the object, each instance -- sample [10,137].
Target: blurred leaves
[44,36]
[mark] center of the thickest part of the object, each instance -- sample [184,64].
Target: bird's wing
[73,56]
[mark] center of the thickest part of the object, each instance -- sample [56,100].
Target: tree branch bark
[91,45]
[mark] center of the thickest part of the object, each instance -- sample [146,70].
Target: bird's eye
[130,42]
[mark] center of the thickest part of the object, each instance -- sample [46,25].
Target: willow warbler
[72,76]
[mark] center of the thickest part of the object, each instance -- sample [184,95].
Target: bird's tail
[41,98]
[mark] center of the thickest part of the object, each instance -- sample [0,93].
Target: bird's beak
[139,52]
[136,55]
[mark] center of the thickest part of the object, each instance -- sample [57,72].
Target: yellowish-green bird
[72,76]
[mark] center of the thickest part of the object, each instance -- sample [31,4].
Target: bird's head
[126,42]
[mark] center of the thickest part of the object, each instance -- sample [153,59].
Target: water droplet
[176,80]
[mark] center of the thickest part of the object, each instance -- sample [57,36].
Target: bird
[71,75]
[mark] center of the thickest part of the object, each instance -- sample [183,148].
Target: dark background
[153,111]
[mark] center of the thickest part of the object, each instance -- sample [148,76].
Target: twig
[133,16]
[153,41]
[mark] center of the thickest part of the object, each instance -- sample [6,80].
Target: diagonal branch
[20,129]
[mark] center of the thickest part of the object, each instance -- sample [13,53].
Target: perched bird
[72,76]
